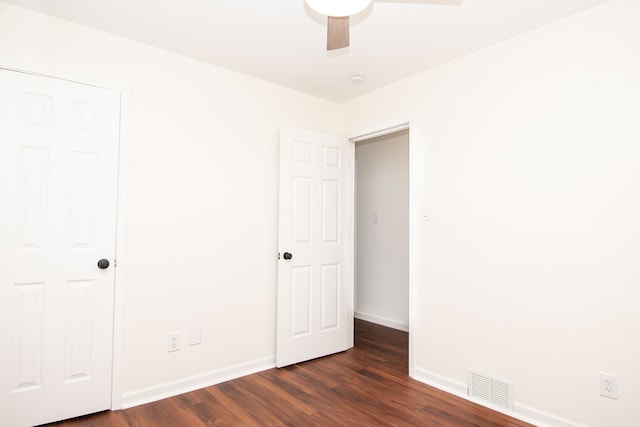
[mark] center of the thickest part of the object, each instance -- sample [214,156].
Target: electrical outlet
[173,344]
[608,385]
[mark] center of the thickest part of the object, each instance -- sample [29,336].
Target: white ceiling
[283,41]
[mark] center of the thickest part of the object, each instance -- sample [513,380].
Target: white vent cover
[493,390]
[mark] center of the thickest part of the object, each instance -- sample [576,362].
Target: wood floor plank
[321,397]
[290,397]
[208,410]
[364,386]
[226,412]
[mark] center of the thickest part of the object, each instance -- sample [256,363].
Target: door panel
[58,189]
[26,347]
[315,286]
[301,301]
[330,318]
[79,333]
[32,197]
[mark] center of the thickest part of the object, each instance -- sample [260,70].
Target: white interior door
[58,193]
[315,269]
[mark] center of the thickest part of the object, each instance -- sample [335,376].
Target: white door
[58,188]
[315,269]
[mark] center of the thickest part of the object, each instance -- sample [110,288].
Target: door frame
[121,226]
[375,132]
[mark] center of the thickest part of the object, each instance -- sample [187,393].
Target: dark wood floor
[365,386]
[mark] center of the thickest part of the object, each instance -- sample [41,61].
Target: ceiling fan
[338,13]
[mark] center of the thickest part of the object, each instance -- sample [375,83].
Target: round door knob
[287,255]
[103,264]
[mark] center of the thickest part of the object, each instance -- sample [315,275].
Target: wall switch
[608,385]
[195,334]
[173,344]
[375,218]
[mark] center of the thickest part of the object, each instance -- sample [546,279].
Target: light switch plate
[195,334]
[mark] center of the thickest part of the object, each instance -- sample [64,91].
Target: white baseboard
[441,382]
[185,385]
[390,323]
[544,418]
[522,412]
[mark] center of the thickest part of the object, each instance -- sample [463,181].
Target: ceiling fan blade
[337,32]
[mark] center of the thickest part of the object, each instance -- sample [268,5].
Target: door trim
[121,229]
[380,132]
[413,213]
[121,259]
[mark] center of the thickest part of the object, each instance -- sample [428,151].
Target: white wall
[382,248]
[202,208]
[526,157]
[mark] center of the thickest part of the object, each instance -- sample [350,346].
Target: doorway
[382,230]
[390,149]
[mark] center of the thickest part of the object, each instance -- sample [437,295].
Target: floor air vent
[492,390]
